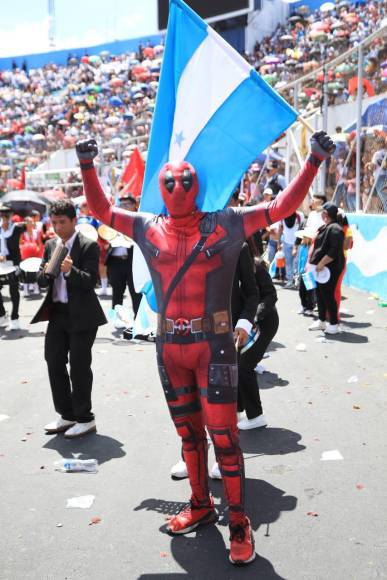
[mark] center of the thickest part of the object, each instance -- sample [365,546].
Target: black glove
[321,145]
[86,150]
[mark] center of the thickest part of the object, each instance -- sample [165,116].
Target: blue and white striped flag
[212,110]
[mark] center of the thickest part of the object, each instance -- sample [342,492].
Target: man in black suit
[74,314]
[10,251]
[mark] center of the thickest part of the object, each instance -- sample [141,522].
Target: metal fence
[356,176]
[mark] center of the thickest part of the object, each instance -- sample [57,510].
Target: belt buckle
[181,326]
[192,322]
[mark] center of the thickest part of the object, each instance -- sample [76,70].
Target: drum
[7,269]
[88,219]
[29,269]
[115,239]
[87,230]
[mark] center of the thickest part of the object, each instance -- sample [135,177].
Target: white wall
[263,22]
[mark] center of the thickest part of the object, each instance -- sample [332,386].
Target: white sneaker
[317,325]
[289,285]
[301,310]
[59,425]
[215,472]
[260,369]
[308,312]
[13,325]
[255,423]
[332,329]
[80,429]
[119,324]
[101,292]
[36,289]
[3,321]
[179,471]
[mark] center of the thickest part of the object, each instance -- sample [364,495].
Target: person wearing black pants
[74,314]
[10,251]
[328,252]
[119,262]
[264,330]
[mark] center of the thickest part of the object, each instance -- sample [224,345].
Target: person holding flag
[192,250]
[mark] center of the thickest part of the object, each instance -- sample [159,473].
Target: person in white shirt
[290,226]
[315,221]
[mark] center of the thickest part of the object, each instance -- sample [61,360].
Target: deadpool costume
[192,257]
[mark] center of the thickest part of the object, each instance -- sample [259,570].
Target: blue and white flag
[212,110]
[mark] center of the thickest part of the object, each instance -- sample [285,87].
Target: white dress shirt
[59,290]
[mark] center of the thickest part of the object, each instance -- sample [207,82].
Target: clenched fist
[86,150]
[321,145]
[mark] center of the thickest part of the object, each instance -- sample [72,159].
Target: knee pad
[225,442]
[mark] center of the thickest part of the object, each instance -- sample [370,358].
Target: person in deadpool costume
[195,348]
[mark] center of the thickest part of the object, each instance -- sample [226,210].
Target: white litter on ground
[83,501]
[301,347]
[333,455]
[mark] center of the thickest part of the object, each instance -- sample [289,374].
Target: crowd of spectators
[306,42]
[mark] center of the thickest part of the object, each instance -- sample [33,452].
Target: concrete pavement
[313,519]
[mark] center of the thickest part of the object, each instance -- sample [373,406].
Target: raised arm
[286,202]
[99,205]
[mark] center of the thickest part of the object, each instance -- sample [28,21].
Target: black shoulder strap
[207,226]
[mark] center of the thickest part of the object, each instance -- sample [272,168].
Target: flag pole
[306,124]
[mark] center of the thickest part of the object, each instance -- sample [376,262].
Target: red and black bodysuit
[195,347]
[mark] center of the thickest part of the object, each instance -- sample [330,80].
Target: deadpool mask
[179,187]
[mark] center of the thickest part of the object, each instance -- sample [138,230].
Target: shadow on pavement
[92,446]
[346,336]
[270,441]
[274,346]
[270,380]
[17,334]
[351,324]
[203,554]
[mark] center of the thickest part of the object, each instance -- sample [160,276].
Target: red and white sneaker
[191,517]
[242,543]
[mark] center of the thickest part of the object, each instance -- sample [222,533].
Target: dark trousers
[13,284]
[248,388]
[120,274]
[307,297]
[71,394]
[326,300]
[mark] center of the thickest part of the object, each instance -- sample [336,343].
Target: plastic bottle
[72,465]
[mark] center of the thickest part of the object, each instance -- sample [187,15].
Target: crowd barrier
[367,261]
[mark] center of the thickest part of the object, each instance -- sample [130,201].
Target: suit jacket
[245,295]
[85,309]
[13,243]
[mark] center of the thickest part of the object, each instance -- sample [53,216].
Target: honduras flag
[212,110]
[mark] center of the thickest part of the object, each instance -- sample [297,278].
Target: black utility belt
[167,338]
[120,257]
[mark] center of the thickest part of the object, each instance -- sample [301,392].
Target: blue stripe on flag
[184,36]
[229,139]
